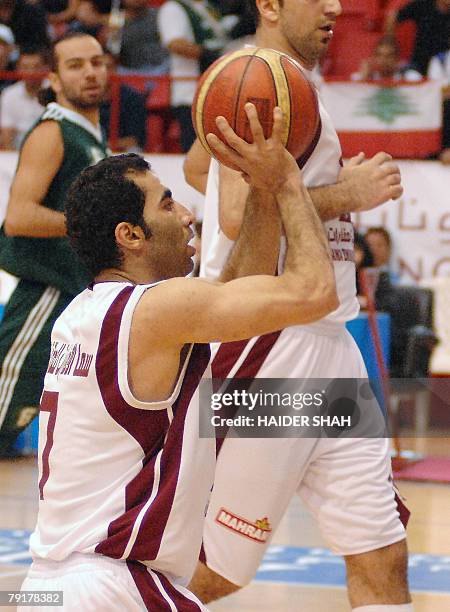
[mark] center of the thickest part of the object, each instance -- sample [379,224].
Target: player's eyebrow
[167,195]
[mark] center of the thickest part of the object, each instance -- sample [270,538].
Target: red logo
[258,531]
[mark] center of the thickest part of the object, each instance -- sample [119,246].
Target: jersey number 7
[49,403]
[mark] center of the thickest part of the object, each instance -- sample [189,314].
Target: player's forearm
[332,201]
[308,259]
[257,247]
[35,221]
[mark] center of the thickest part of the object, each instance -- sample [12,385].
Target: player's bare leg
[209,586]
[379,577]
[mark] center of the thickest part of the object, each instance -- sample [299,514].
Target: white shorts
[345,483]
[93,583]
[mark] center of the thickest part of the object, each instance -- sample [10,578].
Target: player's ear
[269,9]
[54,81]
[129,236]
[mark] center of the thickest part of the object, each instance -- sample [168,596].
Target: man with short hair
[20,107]
[33,243]
[327,474]
[124,474]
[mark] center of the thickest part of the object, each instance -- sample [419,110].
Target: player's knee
[208,586]
[383,571]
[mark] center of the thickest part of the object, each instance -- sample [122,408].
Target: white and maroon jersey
[322,168]
[118,476]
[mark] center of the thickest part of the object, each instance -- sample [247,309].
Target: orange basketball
[267,78]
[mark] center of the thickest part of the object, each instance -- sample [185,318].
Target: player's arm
[363,185]
[257,249]
[40,159]
[196,167]
[195,310]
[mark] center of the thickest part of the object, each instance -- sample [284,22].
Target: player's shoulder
[52,113]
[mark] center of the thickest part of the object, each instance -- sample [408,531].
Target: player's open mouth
[328,30]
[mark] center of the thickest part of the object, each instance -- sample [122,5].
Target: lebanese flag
[403,119]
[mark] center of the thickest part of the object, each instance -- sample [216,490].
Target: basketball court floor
[298,573]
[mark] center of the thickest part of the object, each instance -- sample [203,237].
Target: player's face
[80,80]
[307,27]
[169,222]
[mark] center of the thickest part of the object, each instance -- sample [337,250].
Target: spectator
[141,50]
[193,33]
[27,22]
[20,108]
[60,11]
[6,50]
[432,18]
[439,69]
[384,63]
[239,21]
[89,20]
[133,114]
[380,245]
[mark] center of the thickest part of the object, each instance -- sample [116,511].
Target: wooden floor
[429,532]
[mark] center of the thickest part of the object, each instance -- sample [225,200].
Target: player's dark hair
[382,231]
[46,94]
[97,201]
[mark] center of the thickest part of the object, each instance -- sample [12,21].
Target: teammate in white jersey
[345,483]
[124,478]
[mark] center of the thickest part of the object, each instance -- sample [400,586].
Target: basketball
[266,78]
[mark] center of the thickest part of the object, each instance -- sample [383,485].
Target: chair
[412,342]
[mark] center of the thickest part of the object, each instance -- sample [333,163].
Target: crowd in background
[181,38]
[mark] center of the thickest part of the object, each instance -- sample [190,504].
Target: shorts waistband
[76,562]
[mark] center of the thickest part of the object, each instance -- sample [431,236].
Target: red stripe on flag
[407,144]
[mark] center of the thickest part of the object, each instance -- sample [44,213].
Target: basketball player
[346,484]
[124,475]
[33,246]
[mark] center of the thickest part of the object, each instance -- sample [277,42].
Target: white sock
[385,608]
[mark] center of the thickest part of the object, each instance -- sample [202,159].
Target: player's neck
[124,276]
[272,39]
[91,114]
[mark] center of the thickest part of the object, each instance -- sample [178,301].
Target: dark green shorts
[24,353]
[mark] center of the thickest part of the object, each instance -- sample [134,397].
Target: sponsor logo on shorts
[258,531]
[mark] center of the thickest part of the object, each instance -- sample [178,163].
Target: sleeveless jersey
[322,168]
[51,261]
[118,476]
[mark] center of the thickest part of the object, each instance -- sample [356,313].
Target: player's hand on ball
[264,163]
[373,181]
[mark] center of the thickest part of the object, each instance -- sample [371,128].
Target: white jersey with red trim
[322,168]
[118,476]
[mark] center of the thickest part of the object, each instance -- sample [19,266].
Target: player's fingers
[389,168]
[278,123]
[381,158]
[255,125]
[394,179]
[221,150]
[396,191]
[234,141]
[356,160]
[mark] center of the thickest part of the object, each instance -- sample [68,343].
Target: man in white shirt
[20,107]
[192,32]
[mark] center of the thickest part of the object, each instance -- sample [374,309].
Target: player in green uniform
[33,244]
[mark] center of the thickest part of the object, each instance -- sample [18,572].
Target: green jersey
[52,261]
